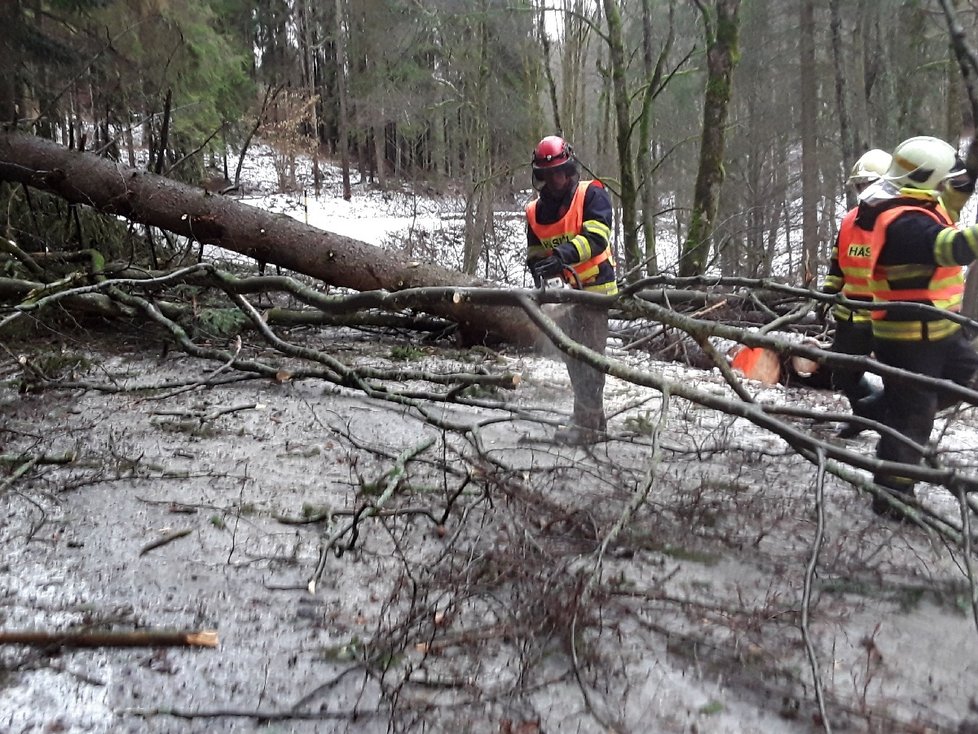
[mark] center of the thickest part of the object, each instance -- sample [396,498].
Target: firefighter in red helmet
[569,238]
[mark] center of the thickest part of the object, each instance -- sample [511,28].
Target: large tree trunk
[721,22]
[84,178]
[846,136]
[10,16]
[623,138]
[343,123]
[809,137]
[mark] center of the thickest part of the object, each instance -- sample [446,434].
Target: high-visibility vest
[566,229]
[855,261]
[944,289]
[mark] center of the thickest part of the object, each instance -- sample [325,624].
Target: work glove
[971,159]
[822,311]
[964,181]
[548,267]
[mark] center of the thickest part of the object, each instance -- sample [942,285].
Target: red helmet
[551,152]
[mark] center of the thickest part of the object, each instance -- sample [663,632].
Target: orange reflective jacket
[944,289]
[855,257]
[566,229]
[855,260]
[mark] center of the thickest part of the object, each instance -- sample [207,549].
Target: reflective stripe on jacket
[571,228]
[855,260]
[939,286]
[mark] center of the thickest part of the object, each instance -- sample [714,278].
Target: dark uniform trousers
[911,408]
[855,338]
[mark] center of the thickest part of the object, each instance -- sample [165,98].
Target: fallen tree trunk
[146,198]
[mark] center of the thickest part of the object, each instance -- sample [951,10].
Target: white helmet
[870,167]
[922,162]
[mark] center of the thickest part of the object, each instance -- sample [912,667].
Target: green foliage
[954,597]
[127,56]
[406,353]
[354,649]
[642,423]
[711,708]
[46,222]
[310,510]
[481,391]
[219,323]
[372,489]
[176,45]
[54,364]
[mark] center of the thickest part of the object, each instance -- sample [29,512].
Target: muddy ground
[469,602]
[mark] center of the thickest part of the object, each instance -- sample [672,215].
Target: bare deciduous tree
[721,29]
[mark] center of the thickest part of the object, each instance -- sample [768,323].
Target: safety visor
[542,175]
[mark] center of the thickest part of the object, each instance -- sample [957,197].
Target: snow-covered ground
[431,226]
[472,621]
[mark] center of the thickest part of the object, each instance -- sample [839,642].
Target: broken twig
[168,538]
[92,638]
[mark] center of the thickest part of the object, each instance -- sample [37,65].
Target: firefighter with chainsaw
[917,256]
[849,275]
[569,244]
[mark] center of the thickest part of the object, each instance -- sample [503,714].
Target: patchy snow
[429,228]
[696,628]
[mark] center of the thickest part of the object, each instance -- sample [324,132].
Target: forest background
[665,101]
[724,129]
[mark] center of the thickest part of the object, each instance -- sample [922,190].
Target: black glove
[822,311]
[548,267]
[964,181]
[971,158]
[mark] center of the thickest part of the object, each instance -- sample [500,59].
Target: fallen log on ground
[146,198]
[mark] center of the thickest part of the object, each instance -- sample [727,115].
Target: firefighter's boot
[870,407]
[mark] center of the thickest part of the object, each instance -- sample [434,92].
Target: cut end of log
[207,638]
[757,363]
[803,366]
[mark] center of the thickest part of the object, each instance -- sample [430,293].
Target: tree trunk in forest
[478,207]
[967,60]
[10,17]
[809,152]
[644,160]
[343,122]
[548,71]
[309,72]
[623,138]
[111,188]
[846,136]
[380,151]
[722,28]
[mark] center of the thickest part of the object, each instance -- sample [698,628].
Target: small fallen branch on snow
[168,538]
[96,638]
